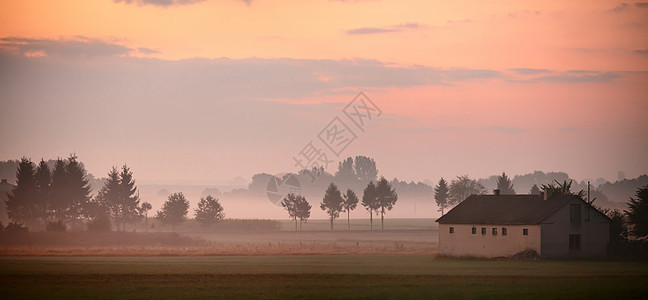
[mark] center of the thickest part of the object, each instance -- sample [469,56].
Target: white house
[503,225]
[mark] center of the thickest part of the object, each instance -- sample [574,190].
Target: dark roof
[504,209]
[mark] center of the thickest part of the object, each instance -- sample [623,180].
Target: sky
[191,91]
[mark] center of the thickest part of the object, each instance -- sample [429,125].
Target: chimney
[547,194]
[4,180]
[497,192]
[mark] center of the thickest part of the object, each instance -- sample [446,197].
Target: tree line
[378,198]
[53,199]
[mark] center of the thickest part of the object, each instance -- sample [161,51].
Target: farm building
[503,225]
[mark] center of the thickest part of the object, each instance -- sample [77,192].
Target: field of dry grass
[413,236]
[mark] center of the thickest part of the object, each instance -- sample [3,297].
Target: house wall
[594,234]
[463,243]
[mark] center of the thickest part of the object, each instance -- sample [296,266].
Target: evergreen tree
[638,213]
[43,178]
[386,197]
[370,201]
[174,211]
[209,211]
[128,198]
[58,190]
[78,188]
[441,195]
[504,185]
[350,202]
[107,198]
[332,203]
[535,190]
[21,203]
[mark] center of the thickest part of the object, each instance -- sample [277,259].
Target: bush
[15,227]
[99,224]
[527,255]
[57,226]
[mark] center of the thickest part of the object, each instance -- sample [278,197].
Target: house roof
[504,209]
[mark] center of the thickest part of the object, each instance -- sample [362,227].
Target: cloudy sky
[202,91]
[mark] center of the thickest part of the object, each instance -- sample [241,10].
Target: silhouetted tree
[504,185]
[144,209]
[462,187]
[21,203]
[349,203]
[209,211]
[638,213]
[365,169]
[297,207]
[289,203]
[563,188]
[535,190]
[128,199]
[441,195]
[370,201]
[345,174]
[386,197]
[58,190]
[78,188]
[174,211]
[43,178]
[108,198]
[618,227]
[332,203]
[303,209]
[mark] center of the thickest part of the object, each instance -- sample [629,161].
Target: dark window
[504,231]
[494,231]
[525,231]
[574,242]
[474,230]
[575,213]
[451,229]
[483,230]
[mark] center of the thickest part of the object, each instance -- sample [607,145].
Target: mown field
[316,276]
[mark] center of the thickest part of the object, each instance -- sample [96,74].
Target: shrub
[15,227]
[57,226]
[99,224]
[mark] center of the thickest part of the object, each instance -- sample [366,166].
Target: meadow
[230,262]
[316,276]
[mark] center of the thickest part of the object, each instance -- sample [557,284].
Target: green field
[316,276]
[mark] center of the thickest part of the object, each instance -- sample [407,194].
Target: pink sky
[200,91]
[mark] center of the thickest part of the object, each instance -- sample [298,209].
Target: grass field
[317,276]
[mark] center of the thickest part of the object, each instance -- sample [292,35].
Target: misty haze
[323,149]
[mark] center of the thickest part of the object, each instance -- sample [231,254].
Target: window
[451,229]
[574,213]
[483,230]
[574,242]
[525,231]
[504,231]
[494,231]
[474,230]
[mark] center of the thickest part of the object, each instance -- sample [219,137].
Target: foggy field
[316,276]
